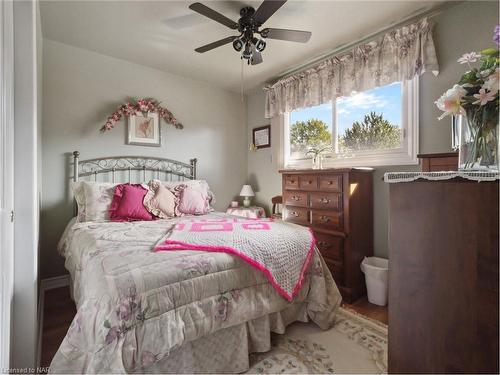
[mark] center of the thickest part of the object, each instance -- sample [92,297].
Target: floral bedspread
[135,306]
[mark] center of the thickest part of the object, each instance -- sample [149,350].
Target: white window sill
[367,160]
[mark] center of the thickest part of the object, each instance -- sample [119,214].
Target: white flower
[470,57]
[450,101]
[484,97]
[492,82]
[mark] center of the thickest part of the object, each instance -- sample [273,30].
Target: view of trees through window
[365,121]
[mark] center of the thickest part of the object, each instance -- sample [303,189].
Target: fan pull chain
[242,81]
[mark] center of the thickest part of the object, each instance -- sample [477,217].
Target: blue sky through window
[386,100]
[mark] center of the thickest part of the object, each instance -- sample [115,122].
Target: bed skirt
[228,350]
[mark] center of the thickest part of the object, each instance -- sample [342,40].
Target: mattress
[144,311]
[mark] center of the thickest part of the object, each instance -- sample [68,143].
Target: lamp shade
[246,191]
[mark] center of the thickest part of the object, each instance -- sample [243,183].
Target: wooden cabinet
[443,277]
[338,205]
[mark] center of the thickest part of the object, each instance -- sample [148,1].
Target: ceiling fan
[248,25]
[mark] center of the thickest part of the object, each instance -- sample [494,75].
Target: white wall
[26,202]
[81,88]
[453,36]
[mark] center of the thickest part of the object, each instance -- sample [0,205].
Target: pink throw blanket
[282,251]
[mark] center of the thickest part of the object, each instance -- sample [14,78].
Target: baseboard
[46,284]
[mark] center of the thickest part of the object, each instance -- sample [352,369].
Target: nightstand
[252,212]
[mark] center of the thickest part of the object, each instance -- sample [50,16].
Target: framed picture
[261,137]
[144,130]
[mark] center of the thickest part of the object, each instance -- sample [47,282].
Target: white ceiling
[163,34]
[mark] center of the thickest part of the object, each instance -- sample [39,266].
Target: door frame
[6,178]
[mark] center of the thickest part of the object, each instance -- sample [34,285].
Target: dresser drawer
[337,271]
[296,215]
[330,247]
[291,182]
[308,182]
[327,219]
[332,201]
[332,182]
[295,198]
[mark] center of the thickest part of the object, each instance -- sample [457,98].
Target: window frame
[406,155]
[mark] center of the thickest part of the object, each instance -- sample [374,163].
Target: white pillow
[93,199]
[79,194]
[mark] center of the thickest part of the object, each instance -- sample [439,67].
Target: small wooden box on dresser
[338,205]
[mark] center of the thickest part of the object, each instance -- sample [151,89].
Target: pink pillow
[194,201]
[127,204]
[160,201]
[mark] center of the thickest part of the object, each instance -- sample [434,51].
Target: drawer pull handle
[309,182]
[291,181]
[324,200]
[294,213]
[323,244]
[295,198]
[330,182]
[325,219]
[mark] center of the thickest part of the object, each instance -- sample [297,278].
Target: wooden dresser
[338,205]
[443,276]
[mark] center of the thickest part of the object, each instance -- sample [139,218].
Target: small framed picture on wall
[261,137]
[144,130]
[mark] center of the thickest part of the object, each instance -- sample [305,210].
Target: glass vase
[317,162]
[478,148]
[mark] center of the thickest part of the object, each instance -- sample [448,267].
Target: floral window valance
[396,56]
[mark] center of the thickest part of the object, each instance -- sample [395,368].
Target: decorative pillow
[199,184]
[79,194]
[194,201]
[93,199]
[160,201]
[98,198]
[127,204]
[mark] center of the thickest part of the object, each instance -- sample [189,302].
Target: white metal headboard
[155,167]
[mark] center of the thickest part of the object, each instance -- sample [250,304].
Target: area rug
[355,344]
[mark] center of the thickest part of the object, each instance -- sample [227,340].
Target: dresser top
[325,170]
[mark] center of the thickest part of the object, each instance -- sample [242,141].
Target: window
[370,128]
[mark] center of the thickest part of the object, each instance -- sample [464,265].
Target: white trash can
[376,272]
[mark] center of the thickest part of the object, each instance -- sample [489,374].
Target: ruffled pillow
[160,201]
[194,201]
[198,184]
[127,204]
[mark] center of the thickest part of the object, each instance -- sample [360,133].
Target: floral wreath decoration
[133,106]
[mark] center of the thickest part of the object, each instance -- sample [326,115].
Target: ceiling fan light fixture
[260,45]
[248,43]
[247,53]
[238,45]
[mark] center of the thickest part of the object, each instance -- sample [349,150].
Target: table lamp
[246,192]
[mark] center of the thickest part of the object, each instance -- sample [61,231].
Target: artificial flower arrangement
[143,106]
[475,97]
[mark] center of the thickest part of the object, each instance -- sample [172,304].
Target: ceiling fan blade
[267,9]
[284,34]
[210,46]
[256,56]
[214,15]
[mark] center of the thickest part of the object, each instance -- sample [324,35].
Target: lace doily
[395,177]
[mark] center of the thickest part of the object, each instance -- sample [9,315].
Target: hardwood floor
[59,311]
[363,307]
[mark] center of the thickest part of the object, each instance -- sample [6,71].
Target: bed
[181,311]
